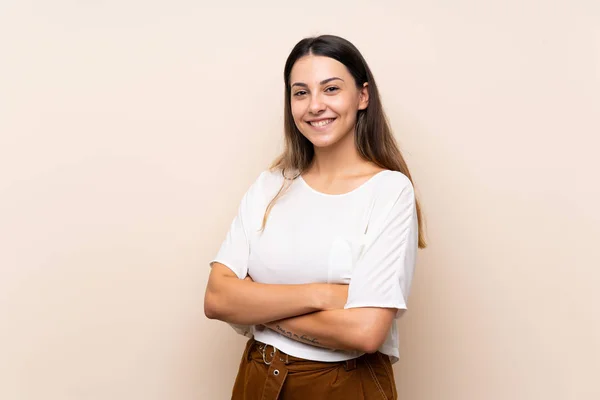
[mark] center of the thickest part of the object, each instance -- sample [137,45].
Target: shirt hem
[398,306]
[392,352]
[228,265]
[315,354]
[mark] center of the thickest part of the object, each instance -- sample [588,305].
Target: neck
[337,160]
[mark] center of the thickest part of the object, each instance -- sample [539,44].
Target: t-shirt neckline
[364,184]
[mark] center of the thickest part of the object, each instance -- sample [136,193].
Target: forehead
[313,69]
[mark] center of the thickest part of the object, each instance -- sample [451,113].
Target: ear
[363,100]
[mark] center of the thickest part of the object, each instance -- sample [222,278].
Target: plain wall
[129,130]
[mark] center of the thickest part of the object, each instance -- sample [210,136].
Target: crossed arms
[308,313]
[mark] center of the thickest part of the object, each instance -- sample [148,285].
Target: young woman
[317,265]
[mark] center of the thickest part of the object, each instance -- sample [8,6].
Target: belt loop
[249,347]
[350,364]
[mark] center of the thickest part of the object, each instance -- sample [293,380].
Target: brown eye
[332,89]
[300,93]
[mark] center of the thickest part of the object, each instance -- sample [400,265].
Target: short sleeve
[235,248]
[383,272]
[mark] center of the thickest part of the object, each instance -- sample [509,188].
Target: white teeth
[321,123]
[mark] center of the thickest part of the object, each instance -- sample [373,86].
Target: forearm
[249,303]
[333,329]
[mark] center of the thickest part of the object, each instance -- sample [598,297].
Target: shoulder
[393,200]
[269,178]
[266,185]
[392,185]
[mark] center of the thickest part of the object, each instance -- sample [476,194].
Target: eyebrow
[323,82]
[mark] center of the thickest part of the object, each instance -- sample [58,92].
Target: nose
[316,104]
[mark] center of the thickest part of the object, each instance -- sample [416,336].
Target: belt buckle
[272,354]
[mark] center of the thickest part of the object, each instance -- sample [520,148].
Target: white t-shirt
[366,238]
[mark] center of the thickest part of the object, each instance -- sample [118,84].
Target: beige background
[129,131]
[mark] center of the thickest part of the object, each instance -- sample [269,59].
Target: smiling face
[325,99]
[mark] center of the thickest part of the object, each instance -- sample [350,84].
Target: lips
[321,123]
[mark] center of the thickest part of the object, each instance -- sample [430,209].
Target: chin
[322,141]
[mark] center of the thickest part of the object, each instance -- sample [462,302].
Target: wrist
[318,296]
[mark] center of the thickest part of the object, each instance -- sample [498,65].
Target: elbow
[216,304]
[371,340]
[370,345]
[374,325]
[211,310]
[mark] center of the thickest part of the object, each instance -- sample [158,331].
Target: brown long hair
[373,136]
